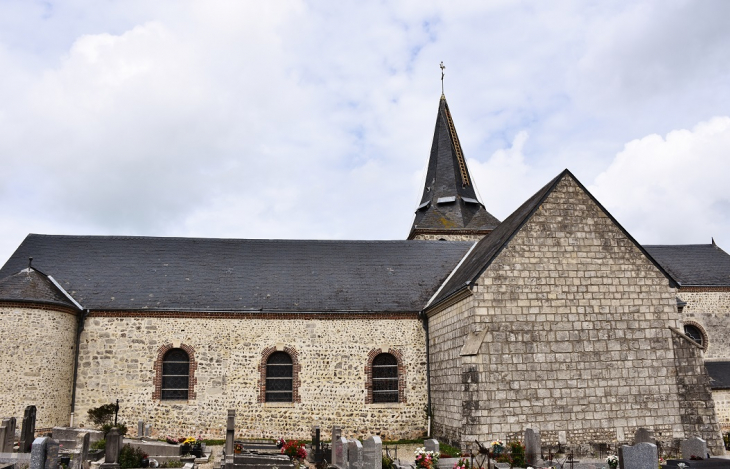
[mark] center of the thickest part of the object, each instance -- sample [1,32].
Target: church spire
[449,207]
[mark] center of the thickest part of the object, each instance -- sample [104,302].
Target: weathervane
[442,77]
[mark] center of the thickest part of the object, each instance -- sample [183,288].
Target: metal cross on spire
[442,77]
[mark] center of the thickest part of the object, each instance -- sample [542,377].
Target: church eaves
[449,205]
[32,286]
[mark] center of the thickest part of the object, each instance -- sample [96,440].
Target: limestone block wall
[36,362]
[447,331]
[118,353]
[709,308]
[722,408]
[578,337]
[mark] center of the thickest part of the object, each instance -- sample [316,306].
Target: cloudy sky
[294,119]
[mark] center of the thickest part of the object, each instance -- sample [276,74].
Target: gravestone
[140,428]
[8,440]
[38,453]
[336,432]
[148,431]
[532,446]
[112,449]
[27,432]
[639,456]
[354,454]
[562,437]
[372,453]
[52,454]
[316,448]
[643,435]
[230,431]
[431,445]
[694,446]
[82,451]
[339,452]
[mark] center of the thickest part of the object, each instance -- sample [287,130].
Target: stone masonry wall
[36,363]
[118,362]
[447,331]
[578,335]
[450,237]
[722,408]
[711,311]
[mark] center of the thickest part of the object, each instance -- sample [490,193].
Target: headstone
[3,434]
[562,437]
[372,453]
[52,454]
[431,445]
[339,452]
[9,441]
[316,449]
[230,431]
[336,432]
[38,453]
[694,446]
[82,451]
[148,431]
[27,432]
[354,454]
[113,447]
[643,435]
[140,429]
[639,456]
[620,436]
[532,446]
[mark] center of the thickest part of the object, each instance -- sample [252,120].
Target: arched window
[695,333]
[279,378]
[384,378]
[175,375]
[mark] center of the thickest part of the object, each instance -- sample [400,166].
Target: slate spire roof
[449,203]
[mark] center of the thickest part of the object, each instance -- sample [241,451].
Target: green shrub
[130,457]
[101,444]
[172,463]
[108,426]
[448,451]
[388,463]
[102,415]
[517,454]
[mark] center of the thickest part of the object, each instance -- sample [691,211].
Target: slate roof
[193,274]
[29,285]
[719,374]
[487,249]
[447,176]
[694,264]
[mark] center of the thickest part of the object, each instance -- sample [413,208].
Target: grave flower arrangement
[612,461]
[294,449]
[426,459]
[497,448]
[462,463]
[280,443]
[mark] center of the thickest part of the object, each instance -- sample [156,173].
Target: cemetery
[26,447]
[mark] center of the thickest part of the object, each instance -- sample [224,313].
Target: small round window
[696,334]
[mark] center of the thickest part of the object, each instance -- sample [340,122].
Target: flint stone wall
[117,355]
[578,339]
[37,362]
[711,310]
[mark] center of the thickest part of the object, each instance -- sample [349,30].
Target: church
[554,319]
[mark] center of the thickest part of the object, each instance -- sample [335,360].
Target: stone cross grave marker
[27,432]
[372,453]
[643,435]
[532,446]
[230,432]
[38,453]
[316,448]
[431,445]
[140,428]
[639,456]
[694,446]
[354,454]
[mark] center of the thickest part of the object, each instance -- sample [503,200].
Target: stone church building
[554,318]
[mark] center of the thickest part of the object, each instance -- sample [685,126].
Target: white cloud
[672,189]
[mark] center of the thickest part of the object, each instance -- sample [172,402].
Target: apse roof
[194,274]
[29,285]
[719,374]
[694,264]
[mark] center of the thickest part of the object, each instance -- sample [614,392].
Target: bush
[387,463]
[108,426]
[131,457]
[448,451]
[517,454]
[102,415]
[172,463]
[101,444]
